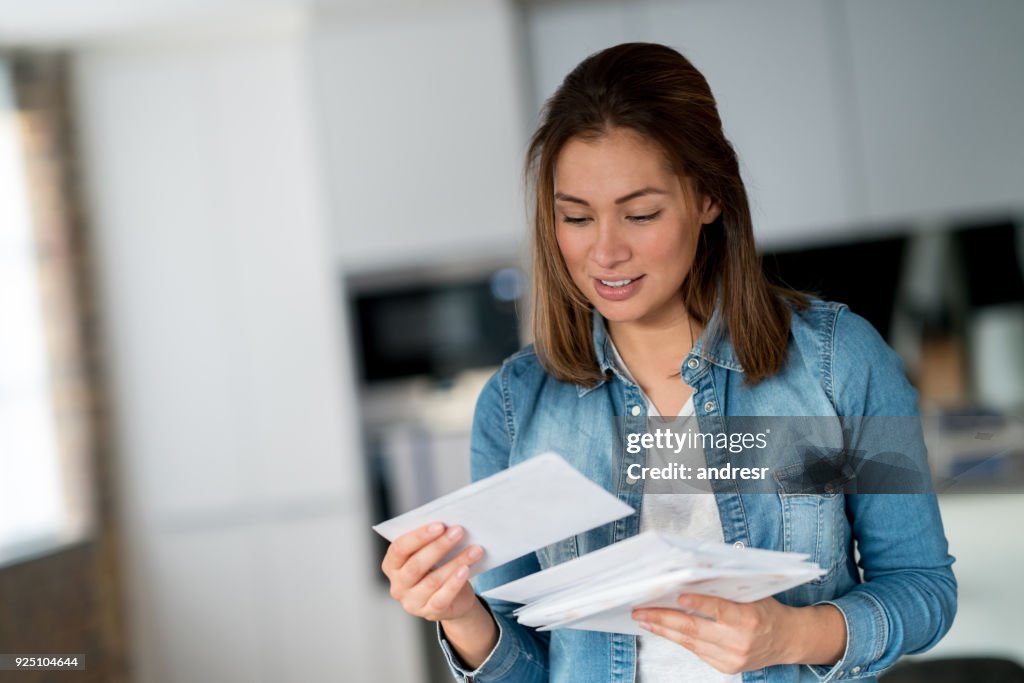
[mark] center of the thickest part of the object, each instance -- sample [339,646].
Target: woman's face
[627,226]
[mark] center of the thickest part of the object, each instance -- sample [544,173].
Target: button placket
[635,423]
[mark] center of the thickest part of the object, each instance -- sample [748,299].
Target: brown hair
[655,91]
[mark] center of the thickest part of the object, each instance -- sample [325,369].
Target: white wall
[240,483]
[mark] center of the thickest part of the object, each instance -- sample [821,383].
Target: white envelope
[646,547]
[516,511]
[598,591]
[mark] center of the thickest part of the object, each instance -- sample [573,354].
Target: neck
[660,347]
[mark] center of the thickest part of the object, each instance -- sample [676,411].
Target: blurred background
[258,258]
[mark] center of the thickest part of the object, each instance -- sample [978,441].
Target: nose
[609,248]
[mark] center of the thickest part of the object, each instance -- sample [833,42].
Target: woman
[650,300]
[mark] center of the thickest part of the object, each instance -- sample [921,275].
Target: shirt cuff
[867,633]
[497,663]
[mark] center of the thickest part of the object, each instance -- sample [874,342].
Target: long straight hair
[656,92]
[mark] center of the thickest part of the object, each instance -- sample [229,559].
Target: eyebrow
[621,200]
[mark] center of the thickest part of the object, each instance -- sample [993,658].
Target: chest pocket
[557,553]
[814,516]
[815,524]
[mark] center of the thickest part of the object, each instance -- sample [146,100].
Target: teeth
[616,283]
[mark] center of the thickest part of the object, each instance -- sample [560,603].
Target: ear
[710,211]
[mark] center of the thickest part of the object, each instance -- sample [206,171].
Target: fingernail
[463,571]
[435,528]
[475,553]
[684,600]
[645,625]
[454,532]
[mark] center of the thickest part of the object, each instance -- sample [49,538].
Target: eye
[644,219]
[574,221]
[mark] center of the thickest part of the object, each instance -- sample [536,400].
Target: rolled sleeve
[867,631]
[510,660]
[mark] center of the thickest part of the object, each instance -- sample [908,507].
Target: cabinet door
[227,389]
[940,97]
[770,67]
[422,122]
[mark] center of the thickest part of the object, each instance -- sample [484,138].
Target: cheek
[684,246]
[673,253]
[573,249]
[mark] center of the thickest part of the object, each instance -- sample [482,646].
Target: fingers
[707,605]
[423,596]
[733,637]
[658,627]
[705,625]
[666,619]
[441,600]
[421,562]
[407,544]
[710,652]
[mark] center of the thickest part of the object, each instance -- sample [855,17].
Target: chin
[617,313]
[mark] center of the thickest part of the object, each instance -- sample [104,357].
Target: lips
[619,288]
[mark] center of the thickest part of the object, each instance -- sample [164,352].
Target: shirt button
[738,544]
[635,411]
[855,670]
[840,674]
[709,406]
[693,363]
[631,480]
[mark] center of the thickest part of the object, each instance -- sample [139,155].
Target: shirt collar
[718,351]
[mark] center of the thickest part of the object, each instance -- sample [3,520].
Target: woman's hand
[737,637]
[434,594]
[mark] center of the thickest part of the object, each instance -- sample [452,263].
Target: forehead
[618,159]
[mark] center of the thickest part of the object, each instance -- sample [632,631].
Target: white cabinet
[217,286]
[422,121]
[279,600]
[940,96]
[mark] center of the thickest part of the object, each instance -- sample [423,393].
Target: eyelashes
[644,219]
[635,219]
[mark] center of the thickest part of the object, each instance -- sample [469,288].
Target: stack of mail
[598,591]
[543,500]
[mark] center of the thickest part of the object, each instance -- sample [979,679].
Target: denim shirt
[898,598]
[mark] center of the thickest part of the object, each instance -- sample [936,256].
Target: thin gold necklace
[689,324]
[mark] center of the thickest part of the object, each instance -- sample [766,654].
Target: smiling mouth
[618,283]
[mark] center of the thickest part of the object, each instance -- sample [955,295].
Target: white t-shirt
[695,516]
